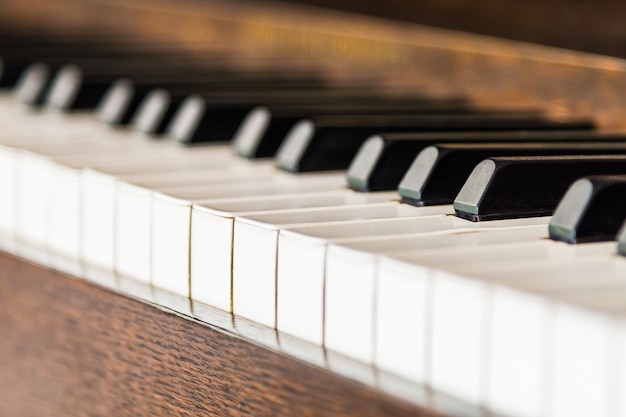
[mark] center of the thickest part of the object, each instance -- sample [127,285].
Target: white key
[302,257]
[256,251]
[402,319]
[212,234]
[63,212]
[402,306]
[459,332]
[132,232]
[134,207]
[464,373]
[171,227]
[33,177]
[66,214]
[586,363]
[99,193]
[31,181]
[7,190]
[555,272]
[521,333]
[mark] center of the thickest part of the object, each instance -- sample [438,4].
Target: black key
[332,142]
[219,116]
[527,186]
[82,85]
[592,210]
[439,171]
[154,114]
[265,127]
[621,240]
[121,100]
[31,87]
[94,58]
[383,160]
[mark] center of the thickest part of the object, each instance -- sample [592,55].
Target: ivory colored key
[460,316]
[598,284]
[44,183]
[98,194]
[134,207]
[398,322]
[348,326]
[255,249]
[301,264]
[172,243]
[212,234]
[35,170]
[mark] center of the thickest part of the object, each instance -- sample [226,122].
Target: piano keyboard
[490,312]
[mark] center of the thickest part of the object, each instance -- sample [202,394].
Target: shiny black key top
[216,116]
[527,186]
[265,127]
[592,210]
[327,143]
[439,171]
[383,160]
[621,240]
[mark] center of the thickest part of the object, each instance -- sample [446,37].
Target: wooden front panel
[68,348]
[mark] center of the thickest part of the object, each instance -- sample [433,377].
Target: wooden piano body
[72,347]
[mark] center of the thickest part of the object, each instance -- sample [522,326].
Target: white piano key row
[492,313]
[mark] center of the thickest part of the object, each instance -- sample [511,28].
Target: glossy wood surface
[398,56]
[68,348]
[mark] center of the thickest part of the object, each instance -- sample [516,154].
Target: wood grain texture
[398,57]
[68,348]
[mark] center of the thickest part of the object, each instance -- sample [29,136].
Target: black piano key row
[490,163]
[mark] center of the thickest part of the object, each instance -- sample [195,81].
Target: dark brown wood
[582,25]
[68,348]
[488,71]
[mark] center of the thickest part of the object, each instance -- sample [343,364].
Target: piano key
[255,249]
[383,160]
[398,341]
[506,187]
[133,209]
[30,88]
[573,324]
[392,314]
[205,110]
[16,61]
[440,170]
[130,93]
[98,194]
[342,256]
[590,210]
[170,246]
[301,264]
[212,234]
[264,128]
[460,317]
[564,264]
[41,185]
[332,142]
[171,240]
[621,241]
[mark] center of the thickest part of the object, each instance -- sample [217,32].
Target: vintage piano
[76,339]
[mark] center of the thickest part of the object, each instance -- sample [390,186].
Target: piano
[294,295]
